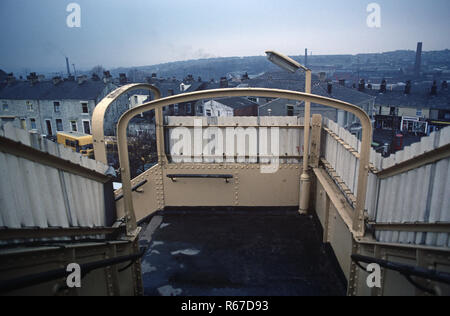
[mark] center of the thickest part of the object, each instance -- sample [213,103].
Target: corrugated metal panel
[264,136]
[342,160]
[36,195]
[420,195]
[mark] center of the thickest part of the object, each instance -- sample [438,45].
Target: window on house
[5,106]
[23,124]
[84,108]
[290,110]
[59,125]
[135,99]
[200,109]
[56,107]
[208,112]
[188,108]
[29,106]
[33,123]
[48,123]
[87,127]
[73,126]
[419,112]
[175,108]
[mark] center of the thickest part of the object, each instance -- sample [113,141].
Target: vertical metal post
[316,133]
[159,122]
[305,181]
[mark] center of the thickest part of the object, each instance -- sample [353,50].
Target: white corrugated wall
[420,195]
[269,136]
[36,195]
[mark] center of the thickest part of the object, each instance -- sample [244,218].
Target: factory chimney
[306,57]
[418,64]
[68,67]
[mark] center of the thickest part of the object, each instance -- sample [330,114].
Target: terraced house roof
[47,90]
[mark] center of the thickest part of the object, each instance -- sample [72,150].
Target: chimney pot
[383,86]
[434,88]
[107,77]
[123,78]
[330,88]
[362,85]
[57,80]
[408,87]
[223,82]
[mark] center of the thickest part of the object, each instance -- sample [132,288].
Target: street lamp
[292,66]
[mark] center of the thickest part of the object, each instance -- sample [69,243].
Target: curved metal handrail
[98,116]
[358,217]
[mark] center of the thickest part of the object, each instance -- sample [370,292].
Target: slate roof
[165,85]
[236,102]
[419,97]
[216,85]
[296,82]
[46,90]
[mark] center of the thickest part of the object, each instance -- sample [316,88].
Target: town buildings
[56,105]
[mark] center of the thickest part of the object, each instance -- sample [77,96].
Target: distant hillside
[215,68]
[207,69]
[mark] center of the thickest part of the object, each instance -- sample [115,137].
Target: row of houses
[418,108]
[67,104]
[59,104]
[256,106]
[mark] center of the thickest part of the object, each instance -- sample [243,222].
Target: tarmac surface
[248,253]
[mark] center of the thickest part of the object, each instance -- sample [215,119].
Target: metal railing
[100,111]
[158,105]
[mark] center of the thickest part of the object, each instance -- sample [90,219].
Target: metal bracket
[201,176]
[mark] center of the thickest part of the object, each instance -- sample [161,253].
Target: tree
[142,154]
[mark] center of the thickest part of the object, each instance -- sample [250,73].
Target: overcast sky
[117,33]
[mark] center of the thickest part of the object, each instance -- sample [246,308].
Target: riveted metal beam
[238,125]
[412,227]
[26,233]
